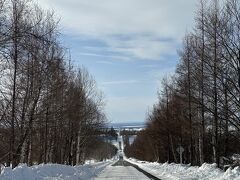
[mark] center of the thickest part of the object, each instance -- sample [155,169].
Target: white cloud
[125,25]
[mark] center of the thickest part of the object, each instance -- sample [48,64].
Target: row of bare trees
[198,108]
[48,110]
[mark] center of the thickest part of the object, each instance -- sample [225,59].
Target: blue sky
[127,45]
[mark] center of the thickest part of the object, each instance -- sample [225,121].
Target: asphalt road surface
[121,173]
[123,170]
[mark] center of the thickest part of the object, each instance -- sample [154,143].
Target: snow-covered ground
[164,171]
[54,172]
[174,171]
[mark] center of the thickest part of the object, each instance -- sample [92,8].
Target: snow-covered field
[54,172]
[174,171]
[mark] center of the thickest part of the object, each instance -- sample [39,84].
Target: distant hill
[126,125]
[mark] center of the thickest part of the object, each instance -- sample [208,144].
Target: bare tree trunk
[167,118]
[46,137]
[172,147]
[189,100]
[78,148]
[202,132]
[215,121]
[29,161]
[15,61]
[226,132]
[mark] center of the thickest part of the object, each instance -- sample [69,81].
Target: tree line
[49,111]
[198,107]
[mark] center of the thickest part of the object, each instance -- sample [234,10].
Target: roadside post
[180,151]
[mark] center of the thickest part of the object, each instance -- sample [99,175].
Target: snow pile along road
[186,172]
[53,171]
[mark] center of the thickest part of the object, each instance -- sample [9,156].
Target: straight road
[121,173]
[123,170]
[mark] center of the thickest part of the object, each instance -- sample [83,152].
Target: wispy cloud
[143,47]
[105,56]
[146,29]
[105,62]
[113,32]
[119,82]
[150,66]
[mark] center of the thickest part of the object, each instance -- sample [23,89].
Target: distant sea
[127,125]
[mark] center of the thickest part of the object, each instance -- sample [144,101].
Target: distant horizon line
[133,122]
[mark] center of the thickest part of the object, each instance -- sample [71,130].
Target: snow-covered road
[121,173]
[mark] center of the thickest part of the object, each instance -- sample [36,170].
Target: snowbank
[186,172]
[53,172]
